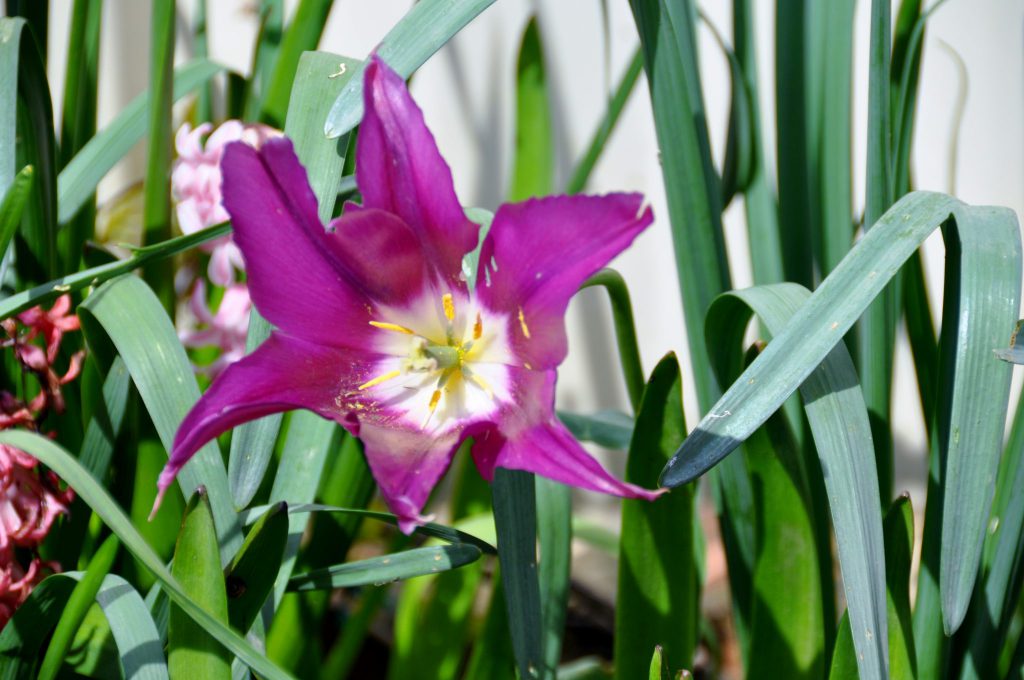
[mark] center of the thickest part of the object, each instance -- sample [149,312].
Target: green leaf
[129,313]
[610,429]
[657,602]
[838,420]
[191,651]
[136,637]
[303,33]
[625,330]
[694,198]
[27,138]
[92,492]
[388,568]
[899,553]
[250,576]
[46,292]
[759,195]
[13,206]
[156,213]
[534,167]
[77,606]
[79,178]
[493,657]
[266,55]
[658,668]
[515,517]
[421,32]
[78,117]
[554,538]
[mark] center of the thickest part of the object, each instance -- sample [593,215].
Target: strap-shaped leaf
[97,498]
[983,293]
[842,435]
[130,314]
[420,33]
[387,568]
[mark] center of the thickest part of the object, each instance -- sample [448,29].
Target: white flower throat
[445,367]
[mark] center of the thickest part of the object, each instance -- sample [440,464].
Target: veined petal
[549,450]
[382,255]
[293,280]
[407,464]
[284,373]
[399,170]
[537,254]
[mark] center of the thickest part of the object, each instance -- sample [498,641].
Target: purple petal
[537,254]
[549,450]
[284,373]
[407,464]
[382,255]
[293,280]
[399,170]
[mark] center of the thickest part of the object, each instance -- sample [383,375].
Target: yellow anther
[522,324]
[379,379]
[435,399]
[449,306]
[478,327]
[391,327]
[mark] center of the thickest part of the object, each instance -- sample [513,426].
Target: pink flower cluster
[196,182]
[30,501]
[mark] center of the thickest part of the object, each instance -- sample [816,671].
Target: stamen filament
[384,325]
[379,379]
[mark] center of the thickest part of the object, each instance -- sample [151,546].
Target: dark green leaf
[388,568]
[250,576]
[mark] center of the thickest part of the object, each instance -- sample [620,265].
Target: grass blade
[250,576]
[694,198]
[534,167]
[77,605]
[304,31]
[516,521]
[410,42]
[838,420]
[13,206]
[79,178]
[388,568]
[46,292]
[759,197]
[658,587]
[129,313]
[156,214]
[191,651]
[86,487]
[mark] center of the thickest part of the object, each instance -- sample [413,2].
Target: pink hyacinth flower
[377,328]
[226,330]
[196,182]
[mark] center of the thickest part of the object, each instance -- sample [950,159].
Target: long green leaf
[191,651]
[515,518]
[610,429]
[303,33]
[138,642]
[759,197]
[79,178]
[13,206]
[657,601]
[984,286]
[27,138]
[77,605]
[420,33]
[97,498]
[838,419]
[381,570]
[129,313]
[46,292]
[534,167]
[250,576]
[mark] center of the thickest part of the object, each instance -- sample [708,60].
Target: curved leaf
[387,568]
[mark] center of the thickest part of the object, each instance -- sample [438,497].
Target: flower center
[439,361]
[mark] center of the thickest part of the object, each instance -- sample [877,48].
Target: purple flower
[377,328]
